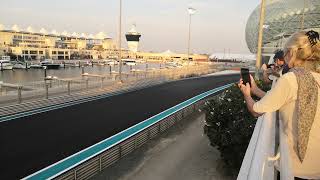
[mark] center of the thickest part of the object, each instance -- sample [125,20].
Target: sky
[217,24]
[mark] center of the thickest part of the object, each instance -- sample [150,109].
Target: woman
[297,97]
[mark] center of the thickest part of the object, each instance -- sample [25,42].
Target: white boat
[140,61]
[129,62]
[36,66]
[110,62]
[20,66]
[49,64]
[5,63]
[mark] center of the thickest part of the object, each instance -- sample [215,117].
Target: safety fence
[93,159]
[57,91]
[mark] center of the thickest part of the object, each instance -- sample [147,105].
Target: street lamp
[191,12]
[120,26]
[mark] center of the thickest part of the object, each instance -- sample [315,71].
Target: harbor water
[17,76]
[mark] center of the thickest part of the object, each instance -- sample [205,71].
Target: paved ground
[183,152]
[32,143]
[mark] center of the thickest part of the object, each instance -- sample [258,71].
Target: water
[17,76]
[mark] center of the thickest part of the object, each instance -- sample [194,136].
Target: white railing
[261,155]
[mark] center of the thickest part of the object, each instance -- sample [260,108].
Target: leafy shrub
[229,125]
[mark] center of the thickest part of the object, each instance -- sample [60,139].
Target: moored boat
[5,63]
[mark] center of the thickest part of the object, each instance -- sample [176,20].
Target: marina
[35,72]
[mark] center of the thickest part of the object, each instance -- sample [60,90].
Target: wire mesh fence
[53,90]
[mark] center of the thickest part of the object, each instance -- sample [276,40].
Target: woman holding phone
[297,97]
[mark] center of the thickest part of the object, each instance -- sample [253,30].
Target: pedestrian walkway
[183,152]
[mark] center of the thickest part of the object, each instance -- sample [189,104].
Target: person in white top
[297,97]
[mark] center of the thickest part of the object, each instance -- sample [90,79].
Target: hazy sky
[218,24]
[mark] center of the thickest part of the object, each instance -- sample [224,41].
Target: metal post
[119,58]
[19,94]
[148,133]
[100,166]
[120,151]
[159,127]
[75,174]
[110,69]
[87,83]
[260,39]
[102,78]
[47,91]
[69,87]
[303,14]
[82,71]
[189,37]
[79,64]
[45,72]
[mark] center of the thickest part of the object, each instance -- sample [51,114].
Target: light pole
[191,12]
[120,26]
[303,14]
[260,38]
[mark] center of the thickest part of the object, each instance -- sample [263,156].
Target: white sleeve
[274,99]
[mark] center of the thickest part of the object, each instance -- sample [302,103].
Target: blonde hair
[303,50]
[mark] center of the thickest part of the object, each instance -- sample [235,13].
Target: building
[282,19]
[28,45]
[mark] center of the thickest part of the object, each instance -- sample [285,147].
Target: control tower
[133,38]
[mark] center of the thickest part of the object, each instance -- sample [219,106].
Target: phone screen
[245,75]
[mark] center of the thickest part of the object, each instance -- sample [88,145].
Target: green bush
[229,126]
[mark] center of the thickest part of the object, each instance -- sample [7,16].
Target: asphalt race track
[31,143]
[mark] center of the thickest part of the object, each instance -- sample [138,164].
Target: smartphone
[270,66]
[245,75]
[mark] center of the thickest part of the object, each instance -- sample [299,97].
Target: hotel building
[28,45]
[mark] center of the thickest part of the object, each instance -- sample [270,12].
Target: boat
[36,66]
[5,63]
[20,66]
[88,63]
[110,62]
[140,61]
[129,62]
[49,64]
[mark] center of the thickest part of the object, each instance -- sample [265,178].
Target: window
[54,52]
[60,52]
[40,52]
[33,52]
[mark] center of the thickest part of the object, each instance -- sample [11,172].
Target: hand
[254,86]
[264,67]
[245,89]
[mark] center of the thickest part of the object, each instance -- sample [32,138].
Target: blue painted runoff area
[94,150]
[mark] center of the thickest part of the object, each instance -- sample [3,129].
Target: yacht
[110,62]
[129,62]
[20,65]
[49,64]
[5,63]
